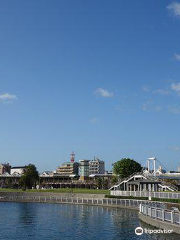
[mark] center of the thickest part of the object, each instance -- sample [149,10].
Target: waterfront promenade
[76,199]
[148,210]
[160,218]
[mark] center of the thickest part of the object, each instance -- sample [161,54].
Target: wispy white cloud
[118,108]
[103,93]
[146,88]
[177,56]
[174,109]
[174,9]
[94,120]
[162,92]
[176,87]
[175,148]
[6,97]
[157,108]
[146,106]
[151,107]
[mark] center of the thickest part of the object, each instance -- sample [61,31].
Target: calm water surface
[33,221]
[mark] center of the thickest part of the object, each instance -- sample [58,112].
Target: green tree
[114,180]
[105,183]
[98,182]
[30,177]
[8,182]
[125,167]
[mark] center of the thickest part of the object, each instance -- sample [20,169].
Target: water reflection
[33,221]
[27,214]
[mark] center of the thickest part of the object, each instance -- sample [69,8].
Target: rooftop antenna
[72,157]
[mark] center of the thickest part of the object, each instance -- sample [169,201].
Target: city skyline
[158,165]
[99,78]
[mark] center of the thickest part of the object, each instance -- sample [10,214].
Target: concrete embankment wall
[52,194]
[64,198]
[159,224]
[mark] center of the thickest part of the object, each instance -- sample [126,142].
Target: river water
[39,221]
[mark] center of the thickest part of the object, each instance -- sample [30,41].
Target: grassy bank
[60,190]
[166,200]
[126,197]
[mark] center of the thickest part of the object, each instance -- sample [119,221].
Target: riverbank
[79,199]
[159,224]
[59,190]
[159,217]
[91,194]
[34,194]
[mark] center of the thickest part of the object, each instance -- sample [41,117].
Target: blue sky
[101,78]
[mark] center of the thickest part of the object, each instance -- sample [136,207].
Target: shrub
[166,200]
[126,197]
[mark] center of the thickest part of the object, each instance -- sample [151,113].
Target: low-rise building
[17,170]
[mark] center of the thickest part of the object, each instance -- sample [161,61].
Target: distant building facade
[84,169]
[5,168]
[17,170]
[68,168]
[160,171]
[46,173]
[96,166]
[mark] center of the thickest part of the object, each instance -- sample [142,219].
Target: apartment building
[96,166]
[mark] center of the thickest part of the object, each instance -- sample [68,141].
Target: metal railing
[168,195]
[131,203]
[170,185]
[165,215]
[126,179]
[147,176]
